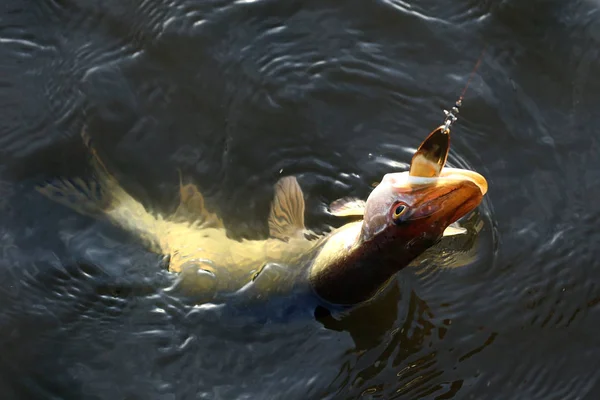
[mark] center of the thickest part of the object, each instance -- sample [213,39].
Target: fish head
[410,213]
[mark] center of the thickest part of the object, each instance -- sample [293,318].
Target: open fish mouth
[465,175]
[447,176]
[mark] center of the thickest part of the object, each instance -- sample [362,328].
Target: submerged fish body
[403,217]
[195,239]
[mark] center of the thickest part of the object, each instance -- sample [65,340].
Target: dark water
[232,93]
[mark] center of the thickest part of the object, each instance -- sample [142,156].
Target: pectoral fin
[347,206]
[454,229]
[287,210]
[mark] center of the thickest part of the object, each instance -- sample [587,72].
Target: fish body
[402,218]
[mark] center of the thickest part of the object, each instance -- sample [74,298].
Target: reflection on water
[236,93]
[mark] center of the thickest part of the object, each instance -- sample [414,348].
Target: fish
[402,218]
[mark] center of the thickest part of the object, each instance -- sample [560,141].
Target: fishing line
[451,116]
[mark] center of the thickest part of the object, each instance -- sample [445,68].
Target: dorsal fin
[347,206]
[287,209]
[192,207]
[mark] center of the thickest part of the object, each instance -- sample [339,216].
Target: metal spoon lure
[431,156]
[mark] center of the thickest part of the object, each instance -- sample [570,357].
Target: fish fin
[91,197]
[87,198]
[192,207]
[105,179]
[347,206]
[101,195]
[286,218]
[454,230]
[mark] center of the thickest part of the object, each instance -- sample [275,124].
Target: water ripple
[239,93]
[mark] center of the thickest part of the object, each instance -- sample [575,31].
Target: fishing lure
[431,156]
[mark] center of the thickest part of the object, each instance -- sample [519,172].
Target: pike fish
[403,216]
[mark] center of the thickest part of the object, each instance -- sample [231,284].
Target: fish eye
[398,211]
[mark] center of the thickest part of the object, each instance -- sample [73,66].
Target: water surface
[235,94]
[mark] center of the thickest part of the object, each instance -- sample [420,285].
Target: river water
[235,93]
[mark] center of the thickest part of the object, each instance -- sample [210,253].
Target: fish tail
[87,198]
[103,196]
[94,196]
